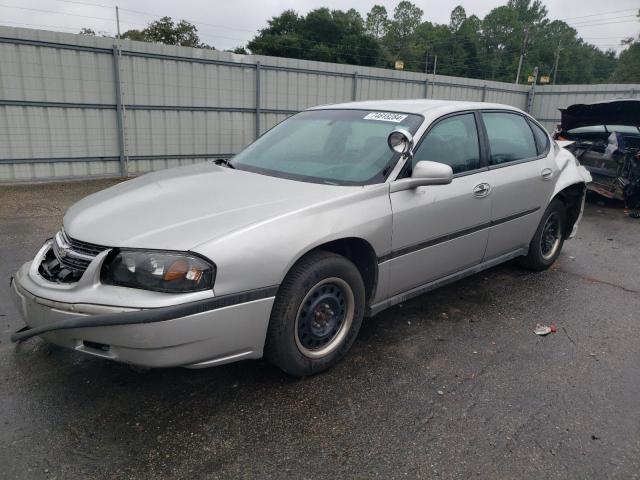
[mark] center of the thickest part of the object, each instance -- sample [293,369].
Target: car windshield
[341,147]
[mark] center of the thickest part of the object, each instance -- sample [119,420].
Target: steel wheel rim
[324,317]
[551,236]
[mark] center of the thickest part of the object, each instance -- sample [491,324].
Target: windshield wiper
[225,162]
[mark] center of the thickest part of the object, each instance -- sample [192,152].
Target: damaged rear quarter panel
[570,173]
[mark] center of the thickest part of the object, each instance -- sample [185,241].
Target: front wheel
[316,315]
[547,242]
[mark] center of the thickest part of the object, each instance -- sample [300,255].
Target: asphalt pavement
[453,384]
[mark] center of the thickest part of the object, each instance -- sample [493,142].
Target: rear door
[521,174]
[442,229]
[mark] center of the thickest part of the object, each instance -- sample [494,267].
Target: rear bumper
[196,334]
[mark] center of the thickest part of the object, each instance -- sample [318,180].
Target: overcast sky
[229,23]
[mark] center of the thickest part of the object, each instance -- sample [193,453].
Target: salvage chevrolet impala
[335,214]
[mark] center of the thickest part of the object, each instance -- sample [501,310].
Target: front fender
[261,254]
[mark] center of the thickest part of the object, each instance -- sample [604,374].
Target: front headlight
[170,272]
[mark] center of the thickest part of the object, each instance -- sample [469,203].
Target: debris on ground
[545,329]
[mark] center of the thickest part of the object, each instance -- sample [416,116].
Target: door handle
[546,174]
[481,190]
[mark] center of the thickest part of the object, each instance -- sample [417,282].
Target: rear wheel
[547,242]
[316,315]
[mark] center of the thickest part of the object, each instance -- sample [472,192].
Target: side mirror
[400,141]
[425,173]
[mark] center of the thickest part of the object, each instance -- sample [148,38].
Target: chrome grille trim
[74,254]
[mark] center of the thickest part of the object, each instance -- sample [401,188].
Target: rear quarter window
[541,137]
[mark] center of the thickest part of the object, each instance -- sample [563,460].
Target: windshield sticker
[385,117]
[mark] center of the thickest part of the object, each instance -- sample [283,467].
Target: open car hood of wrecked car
[180,208]
[609,112]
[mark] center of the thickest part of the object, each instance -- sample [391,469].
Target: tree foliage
[168,32]
[467,46]
[377,21]
[323,34]
[627,69]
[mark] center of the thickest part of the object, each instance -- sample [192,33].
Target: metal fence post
[120,125]
[257,99]
[354,90]
[532,91]
[426,87]
[484,92]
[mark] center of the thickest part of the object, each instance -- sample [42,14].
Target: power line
[54,12]
[598,14]
[76,2]
[141,12]
[71,29]
[601,23]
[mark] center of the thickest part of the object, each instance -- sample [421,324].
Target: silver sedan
[335,214]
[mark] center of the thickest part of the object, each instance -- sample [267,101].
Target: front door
[441,229]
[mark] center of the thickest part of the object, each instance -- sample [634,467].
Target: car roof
[420,106]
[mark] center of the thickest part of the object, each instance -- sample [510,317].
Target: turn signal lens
[177,270]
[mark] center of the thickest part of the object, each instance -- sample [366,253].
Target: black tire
[541,253]
[290,343]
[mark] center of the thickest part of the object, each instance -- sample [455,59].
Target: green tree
[406,18]
[168,32]
[627,69]
[323,34]
[458,16]
[467,46]
[502,36]
[400,39]
[377,21]
[628,66]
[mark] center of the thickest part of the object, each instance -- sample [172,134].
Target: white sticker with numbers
[385,117]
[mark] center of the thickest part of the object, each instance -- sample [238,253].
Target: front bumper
[196,334]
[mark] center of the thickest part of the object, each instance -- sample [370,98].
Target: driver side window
[454,142]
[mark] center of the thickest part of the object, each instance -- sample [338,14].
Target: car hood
[609,112]
[180,208]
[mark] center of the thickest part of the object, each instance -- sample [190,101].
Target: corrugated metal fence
[78,106]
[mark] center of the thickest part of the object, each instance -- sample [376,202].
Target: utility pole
[435,64]
[118,22]
[555,65]
[426,63]
[522,52]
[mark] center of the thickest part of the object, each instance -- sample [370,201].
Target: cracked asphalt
[453,384]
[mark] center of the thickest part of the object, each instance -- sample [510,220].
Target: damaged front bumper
[149,329]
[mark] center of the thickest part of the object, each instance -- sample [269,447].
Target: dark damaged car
[605,137]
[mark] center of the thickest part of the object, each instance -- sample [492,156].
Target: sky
[230,23]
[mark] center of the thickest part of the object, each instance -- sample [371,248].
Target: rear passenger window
[510,138]
[542,139]
[452,141]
